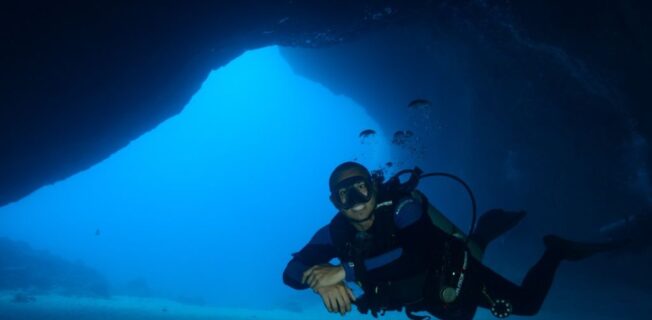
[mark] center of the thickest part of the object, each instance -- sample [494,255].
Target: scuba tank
[450,278]
[393,185]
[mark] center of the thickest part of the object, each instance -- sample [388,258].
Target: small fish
[367,133]
[398,137]
[401,136]
[389,164]
[97,232]
[419,103]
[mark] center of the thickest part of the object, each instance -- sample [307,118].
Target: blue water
[212,202]
[209,206]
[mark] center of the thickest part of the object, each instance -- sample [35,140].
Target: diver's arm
[319,250]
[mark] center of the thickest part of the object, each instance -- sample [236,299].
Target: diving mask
[351,191]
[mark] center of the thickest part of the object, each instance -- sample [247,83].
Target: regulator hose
[416,176]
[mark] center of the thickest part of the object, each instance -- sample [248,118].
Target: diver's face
[360,210]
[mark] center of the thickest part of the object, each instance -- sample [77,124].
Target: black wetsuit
[420,248]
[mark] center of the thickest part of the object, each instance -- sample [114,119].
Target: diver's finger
[334,303]
[307,273]
[345,298]
[312,279]
[324,299]
[345,303]
[329,303]
[340,304]
[349,303]
[317,280]
[350,292]
[309,278]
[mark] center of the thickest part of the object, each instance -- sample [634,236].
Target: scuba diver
[405,254]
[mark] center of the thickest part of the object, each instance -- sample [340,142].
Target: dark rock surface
[539,123]
[23,268]
[558,88]
[81,79]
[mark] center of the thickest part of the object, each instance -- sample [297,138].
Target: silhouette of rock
[22,267]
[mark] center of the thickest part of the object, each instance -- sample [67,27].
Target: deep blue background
[212,202]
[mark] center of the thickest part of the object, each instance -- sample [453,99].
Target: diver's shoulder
[322,236]
[408,211]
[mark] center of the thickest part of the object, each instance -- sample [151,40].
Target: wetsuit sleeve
[319,250]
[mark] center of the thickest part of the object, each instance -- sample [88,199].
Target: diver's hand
[337,297]
[323,275]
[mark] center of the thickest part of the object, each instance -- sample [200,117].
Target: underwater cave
[165,160]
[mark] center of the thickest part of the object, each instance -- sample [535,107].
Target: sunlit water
[211,203]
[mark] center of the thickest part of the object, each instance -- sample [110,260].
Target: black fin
[495,223]
[575,251]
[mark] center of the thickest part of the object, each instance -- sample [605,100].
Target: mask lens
[352,191]
[342,196]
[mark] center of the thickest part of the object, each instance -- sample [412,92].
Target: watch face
[501,308]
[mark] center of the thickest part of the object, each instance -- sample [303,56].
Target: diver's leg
[525,299]
[575,251]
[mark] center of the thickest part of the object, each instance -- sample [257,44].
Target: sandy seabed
[57,307]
